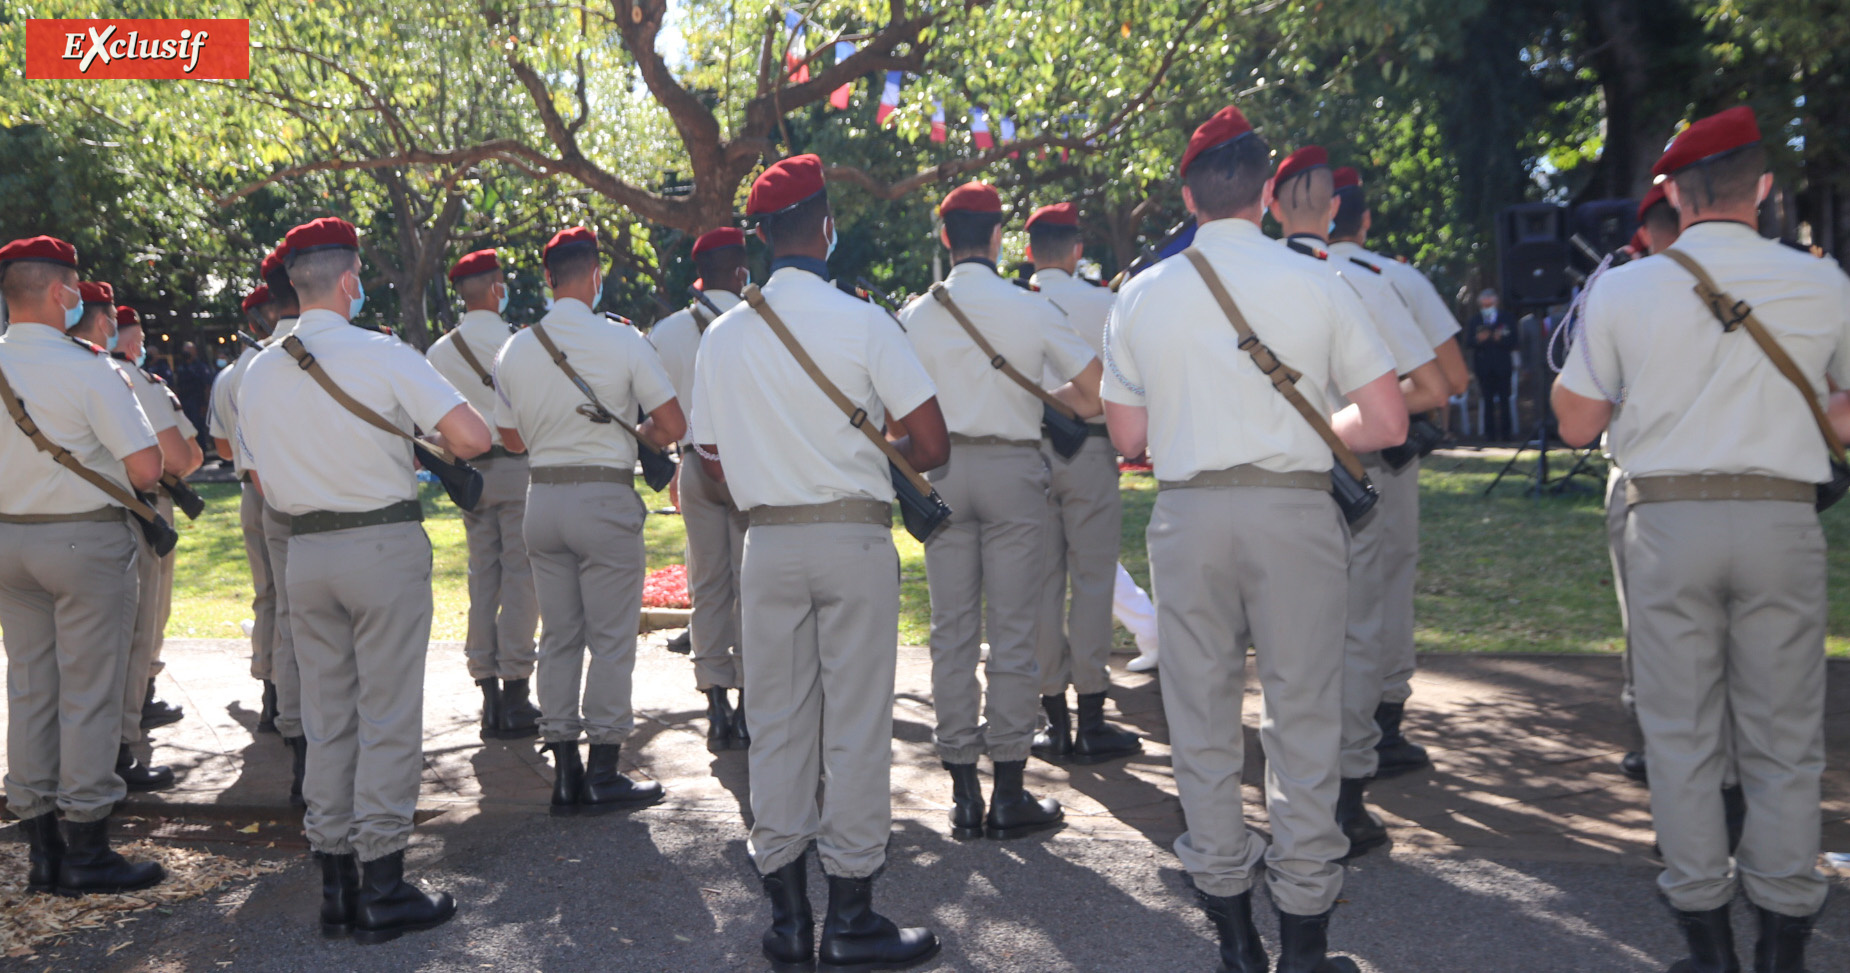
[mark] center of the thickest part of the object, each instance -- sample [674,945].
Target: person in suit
[1493,339]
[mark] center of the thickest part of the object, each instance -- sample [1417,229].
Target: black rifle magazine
[185,497]
[460,480]
[657,467]
[1355,497]
[1067,436]
[159,534]
[1423,436]
[1834,490]
[923,514]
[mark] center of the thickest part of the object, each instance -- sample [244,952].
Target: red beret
[1652,198]
[1709,137]
[49,250]
[786,183]
[1302,161]
[272,263]
[720,239]
[327,233]
[1347,176]
[256,298]
[1058,214]
[479,262]
[1226,125]
[126,317]
[97,292]
[569,239]
[971,197]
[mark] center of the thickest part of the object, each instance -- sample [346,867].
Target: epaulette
[1363,263]
[1018,282]
[1307,250]
[89,346]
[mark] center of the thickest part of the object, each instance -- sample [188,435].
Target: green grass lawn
[1501,574]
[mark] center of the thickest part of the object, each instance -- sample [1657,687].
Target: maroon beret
[786,183]
[327,233]
[1652,198]
[126,317]
[971,197]
[1226,126]
[479,262]
[1347,176]
[1058,214]
[1302,161]
[46,249]
[1709,137]
[256,298]
[720,239]
[568,240]
[97,292]
[1638,245]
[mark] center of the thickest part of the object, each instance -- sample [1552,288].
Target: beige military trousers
[585,541]
[985,570]
[359,608]
[504,609]
[1084,523]
[1727,602]
[153,606]
[285,668]
[715,551]
[821,617]
[1269,562]
[1372,653]
[1398,516]
[263,587]
[67,608]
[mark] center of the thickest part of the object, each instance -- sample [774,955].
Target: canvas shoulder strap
[857,416]
[1284,378]
[468,357]
[298,351]
[996,361]
[703,319]
[593,409]
[17,410]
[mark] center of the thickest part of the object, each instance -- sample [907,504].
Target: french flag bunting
[979,129]
[937,121]
[838,98]
[889,98]
[796,61]
[1008,132]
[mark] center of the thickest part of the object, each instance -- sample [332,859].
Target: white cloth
[677,339]
[81,403]
[484,332]
[1133,610]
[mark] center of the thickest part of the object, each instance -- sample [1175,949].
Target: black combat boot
[340,893]
[45,851]
[1734,814]
[158,712]
[139,776]
[90,866]
[719,720]
[491,708]
[1781,947]
[741,734]
[1710,936]
[1097,740]
[606,789]
[1632,765]
[389,906]
[856,939]
[568,775]
[1304,943]
[520,719]
[1364,831]
[298,747]
[266,716]
[1398,754]
[1013,811]
[790,943]
[1055,743]
[1240,948]
[966,801]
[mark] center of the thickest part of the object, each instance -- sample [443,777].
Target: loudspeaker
[1532,254]
[1604,225]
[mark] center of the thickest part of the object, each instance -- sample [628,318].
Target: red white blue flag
[937,121]
[889,98]
[839,97]
[979,129]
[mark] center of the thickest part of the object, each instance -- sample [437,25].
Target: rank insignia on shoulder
[1307,250]
[1364,264]
[91,347]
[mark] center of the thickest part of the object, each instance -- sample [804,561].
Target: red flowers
[667,588]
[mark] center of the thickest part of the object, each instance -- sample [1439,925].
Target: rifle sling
[597,407]
[1284,377]
[293,345]
[1734,314]
[703,319]
[996,360]
[17,410]
[468,357]
[857,416]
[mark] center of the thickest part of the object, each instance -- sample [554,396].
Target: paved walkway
[1523,849]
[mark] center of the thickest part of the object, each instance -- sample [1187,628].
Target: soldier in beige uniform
[504,609]
[1724,555]
[67,575]
[359,573]
[992,554]
[1085,518]
[1301,197]
[715,526]
[584,519]
[820,582]
[1245,540]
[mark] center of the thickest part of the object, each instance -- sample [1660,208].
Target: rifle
[705,301]
[249,341]
[880,299]
[184,496]
[1155,254]
[658,468]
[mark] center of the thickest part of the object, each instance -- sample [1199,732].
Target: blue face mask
[502,309]
[142,358]
[358,302]
[75,313]
[598,298]
[831,251]
[110,345]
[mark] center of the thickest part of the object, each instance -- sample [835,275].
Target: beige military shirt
[157,401]
[677,339]
[1701,400]
[783,442]
[1415,291]
[1023,327]
[1169,348]
[484,332]
[542,404]
[1386,314]
[1085,305]
[83,404]
[308,451]
[222,415]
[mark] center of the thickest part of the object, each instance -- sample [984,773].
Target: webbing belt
[104,515]
[853,510]
[322,521]
[959,439]
[581,474]
[1246,475]
[1716,486]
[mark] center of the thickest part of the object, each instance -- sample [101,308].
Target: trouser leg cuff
[30,807]
[1011,752]
[960,755]
[783,856]
[331,848]
[608,738]
[1221,887]
[377,848]
[859,871]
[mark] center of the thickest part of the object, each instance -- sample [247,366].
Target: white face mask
[502,307]
[831,251]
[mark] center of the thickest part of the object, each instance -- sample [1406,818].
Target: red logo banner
[140,49]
